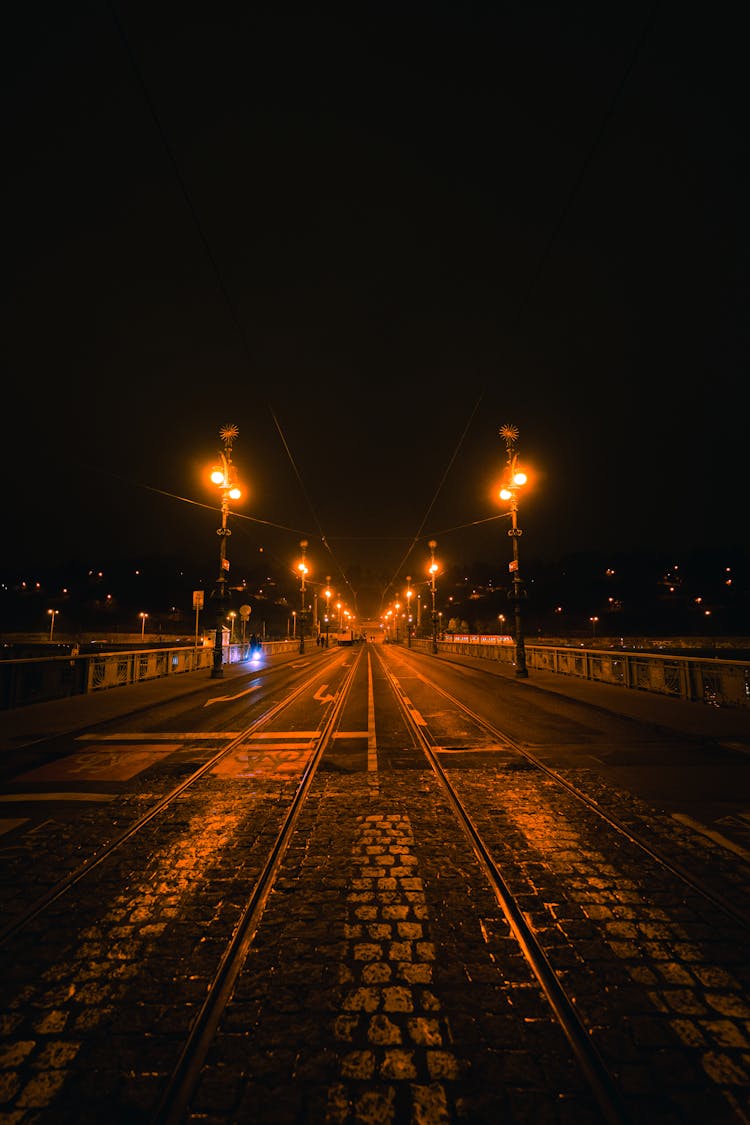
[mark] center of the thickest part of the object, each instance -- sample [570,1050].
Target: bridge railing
[718,683]
[39,679]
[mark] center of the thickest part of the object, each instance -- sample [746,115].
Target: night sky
[369,235]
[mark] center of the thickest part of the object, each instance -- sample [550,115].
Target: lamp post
[593,621]
[223,475]
[232,617]
[409,595]
[397,607]
[143,617]
[52,615]
[432,571]
[303,572]
[327,593]
[514,480]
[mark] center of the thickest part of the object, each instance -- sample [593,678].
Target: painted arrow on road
[229,698]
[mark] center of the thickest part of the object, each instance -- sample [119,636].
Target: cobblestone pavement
[661,977]
[98,995]
[408,998]
[383,984]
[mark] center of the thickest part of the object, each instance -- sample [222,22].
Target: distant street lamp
[514,480]
[143,617]
[432,571]
[409,595]
[327,593]
[593,621]
[223,475]
[52,615]
[232,618]
[397,607]
[303,573]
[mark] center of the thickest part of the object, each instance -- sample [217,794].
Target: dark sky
[369,235]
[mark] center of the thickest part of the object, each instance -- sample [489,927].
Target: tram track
[603,1086]
[699,886]
[165,802]
[193,907]
[182,1082]
[492,855]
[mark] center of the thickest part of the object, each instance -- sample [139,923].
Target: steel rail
[588,1057]
[176,1096]
[93,861]
[713,897]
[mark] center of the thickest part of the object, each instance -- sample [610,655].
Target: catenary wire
[520,308]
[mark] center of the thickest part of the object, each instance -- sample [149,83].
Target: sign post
[198,597]
[245,611]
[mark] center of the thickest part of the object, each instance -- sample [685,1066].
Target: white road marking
[63,796]
[281,746]
[229,698]
[285,734]
[323,698]
[160,736]
[7,824]
[413,712]
[372,746]
[717,837]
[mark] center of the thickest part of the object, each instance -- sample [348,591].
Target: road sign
[245,611]
[513,564]
[198,596]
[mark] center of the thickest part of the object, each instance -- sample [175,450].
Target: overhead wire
[520,308]
[430,506]
[542,261]
[226,297]
[321,533]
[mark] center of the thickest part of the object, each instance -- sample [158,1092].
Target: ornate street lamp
[409,595]
[303,573]
[224,477]
[327,593]
[432,571]
[514,480]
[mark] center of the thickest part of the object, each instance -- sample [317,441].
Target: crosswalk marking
[159,736]
[63,796]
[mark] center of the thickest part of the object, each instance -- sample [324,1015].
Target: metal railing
[40,679]
[718,683]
